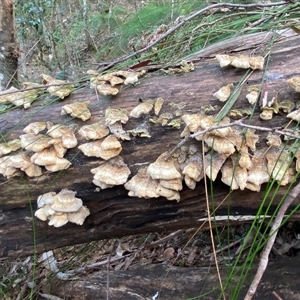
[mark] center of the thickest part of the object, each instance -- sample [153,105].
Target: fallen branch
[189,18]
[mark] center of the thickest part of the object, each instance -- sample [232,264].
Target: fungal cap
[113,115]
[172,184]
[45,199]
[40,214]
[106,89]
[142,186]
[60,164]
[79,216]
[63,132]
[113,172]
[189,182]
[58,220]
[194,169]
[35,127]
[163,169]
[294,82]
[294,115]
[256,62]
[94,131]
[10,146]
[77,110]
[65,201]
[142,109]
[224,60]
[224,92]
[167,193]
[241,61]
[34,142]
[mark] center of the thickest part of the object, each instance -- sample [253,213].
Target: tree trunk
[113,212]
[9,52]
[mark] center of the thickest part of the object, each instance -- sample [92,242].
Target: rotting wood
[176,283]
[113,213]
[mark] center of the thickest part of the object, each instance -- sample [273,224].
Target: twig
[107,277]
[164,239]
[192,16]
[276,296]
[272,236]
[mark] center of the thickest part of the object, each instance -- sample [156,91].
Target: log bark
[113,212]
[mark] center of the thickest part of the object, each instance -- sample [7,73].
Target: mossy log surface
[113,212]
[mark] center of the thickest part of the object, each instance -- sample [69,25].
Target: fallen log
[113,212]
[169,282]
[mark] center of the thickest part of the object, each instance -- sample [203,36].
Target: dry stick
[276,296]
[272,236]
[107,277]
[192,16]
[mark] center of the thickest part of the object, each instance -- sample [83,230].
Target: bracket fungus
[224,92]
[142,186]
[113,115]
[49,159]
[35,127]
[10,146]
[279,165]
[241,61]
[7,171]
[294,82]
[61,208]
[163,169]
[34,142]
[94,131]
[111,83]
[78,110]
[142,109]
[19,97]
[253,93]
[59,88]
[22,161]
[106,148]
[112,172]
[65,133]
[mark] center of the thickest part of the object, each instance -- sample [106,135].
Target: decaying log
[169,282]
[113,213]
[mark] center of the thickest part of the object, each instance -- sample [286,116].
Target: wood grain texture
[113,213]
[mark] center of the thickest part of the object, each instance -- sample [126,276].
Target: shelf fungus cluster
[57,87]
[241,61]
[161,179]
[21,97]
[111,83]
[61,208]
[229,151]
[36,150]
